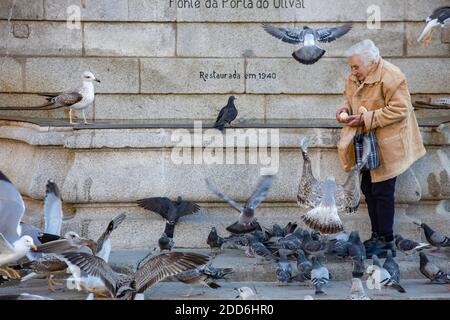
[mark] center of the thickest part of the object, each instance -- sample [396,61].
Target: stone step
[246,270]
[416,289]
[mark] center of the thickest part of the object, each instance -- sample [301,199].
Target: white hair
[366,49]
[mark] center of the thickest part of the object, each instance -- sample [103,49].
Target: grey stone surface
[436,47]
[419,10]
[22,9]
[97,10]
[176,107]
[45,38]
[302,106]
[11,75]
[312,11]
[445,36]
[129,39]
[58,74]
[174,75]
[151,10]
[249,39]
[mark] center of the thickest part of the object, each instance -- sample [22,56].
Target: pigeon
[214,240]
[171,211]
[76,99]
[198,276]
[126,286]
[357,291]
[319,274]
[310,53]
[216,273]
[379,276]
[165,243]
[283,269]
[304,267]
[435,238]
[326,197]
[226,115]
[247,221]
[358,267]
[259,251]
[392,266]
[431,271]
[313,247]
[409,246]
[337,248]
[246,293]
[356,248]
[439,17]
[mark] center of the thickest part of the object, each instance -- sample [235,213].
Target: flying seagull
[122,286]
[327,198]
[171,211]
[226,115]
[13,245]
[75,99]
[310,53]
[439,17]
[247,221]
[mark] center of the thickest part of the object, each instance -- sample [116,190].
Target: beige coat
[385,93]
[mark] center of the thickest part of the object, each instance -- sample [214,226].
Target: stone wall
[149,56]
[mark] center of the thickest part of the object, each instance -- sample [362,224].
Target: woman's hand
[355,121]
[338,113]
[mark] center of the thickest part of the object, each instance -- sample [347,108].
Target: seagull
[357,291]
[326,197]
[75,99]
[434,238]
[247,221]
[171,211]
[439,17]
[432,271]
[13,245]
[126,286]
[246,293]
[226,115]
[409,246]
[310,53]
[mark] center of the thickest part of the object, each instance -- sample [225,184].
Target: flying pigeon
[310,52]
[76,99]
[439,17]
[226,115]
[431,271]
[126,286]
[171,211]
[357,291]
[435,238]
[319,274]
[326,197]
[409,246]
[247,221]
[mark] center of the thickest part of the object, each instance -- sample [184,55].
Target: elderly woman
[381,88]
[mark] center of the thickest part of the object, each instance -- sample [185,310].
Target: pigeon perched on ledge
[310,53]
[226,115]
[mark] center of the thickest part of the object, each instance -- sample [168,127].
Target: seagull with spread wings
[310,53]
[126,287]
[326,197]
[247,221]
[439,17]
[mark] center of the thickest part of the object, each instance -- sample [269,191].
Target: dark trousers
[380,203]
